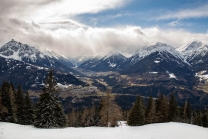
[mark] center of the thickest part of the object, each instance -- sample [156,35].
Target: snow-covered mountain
[60,58]
[196,53]
[113,61]
[159,59]
[78,60]
[158,47]
[23,52]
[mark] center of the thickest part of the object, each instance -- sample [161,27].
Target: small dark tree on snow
[137,114]
[49,111]
[20,105]
[205,119]
[3,110]
[162,109]
[173,108]
[28,111]
[6,102]
[150,113]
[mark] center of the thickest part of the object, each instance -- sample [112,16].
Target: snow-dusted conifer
[49,111]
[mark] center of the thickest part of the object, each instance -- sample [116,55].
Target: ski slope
[152,131]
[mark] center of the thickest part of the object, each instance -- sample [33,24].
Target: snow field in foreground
[153,131]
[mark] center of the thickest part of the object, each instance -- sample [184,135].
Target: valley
[155,70]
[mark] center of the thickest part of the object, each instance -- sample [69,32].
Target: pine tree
[150,113]
[162,109]
[6,117]
[20,105]
[188,110]
[110,112]
[173,108]
[205,119]
[13,104]
[136,115]
[28,111]
[3,110]
[49,111]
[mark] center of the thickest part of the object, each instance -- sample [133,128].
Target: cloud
[50,10]
[178,23]
[77,40]
[198,12]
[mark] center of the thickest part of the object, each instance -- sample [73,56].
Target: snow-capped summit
[193,50]
[60,58]
[196,54]
[22,52]
[25,53]
[114,55]
[190,47]
[158,47]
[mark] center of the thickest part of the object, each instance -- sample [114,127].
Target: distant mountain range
[178,63]
[183,62]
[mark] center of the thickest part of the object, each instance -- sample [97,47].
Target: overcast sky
[91,27]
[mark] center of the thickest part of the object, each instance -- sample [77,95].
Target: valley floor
[152,131]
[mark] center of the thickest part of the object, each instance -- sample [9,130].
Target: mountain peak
[114,54]
[18,51]
[161,44]
[190,47]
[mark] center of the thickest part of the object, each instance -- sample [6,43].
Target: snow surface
[202,76]
[156,61]
[18,51]
[152,131]
[193,49]
[153,72]
[172,76]
[158,47]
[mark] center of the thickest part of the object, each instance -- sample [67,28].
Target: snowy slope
[60,58]
[152,131]
[158,47]
[18,51]
[113,61]
[25,53]
[193,49]
[78,60]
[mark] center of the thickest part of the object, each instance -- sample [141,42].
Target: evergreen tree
[197,118]
[110,112]
[6,117]
[188,110]
[3,110]
[136,115]
[20,105]
[173,108]
[205,119]
[162,109]
[49,111]
[184,110]
[150,113]
[13,104]
[28,110]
